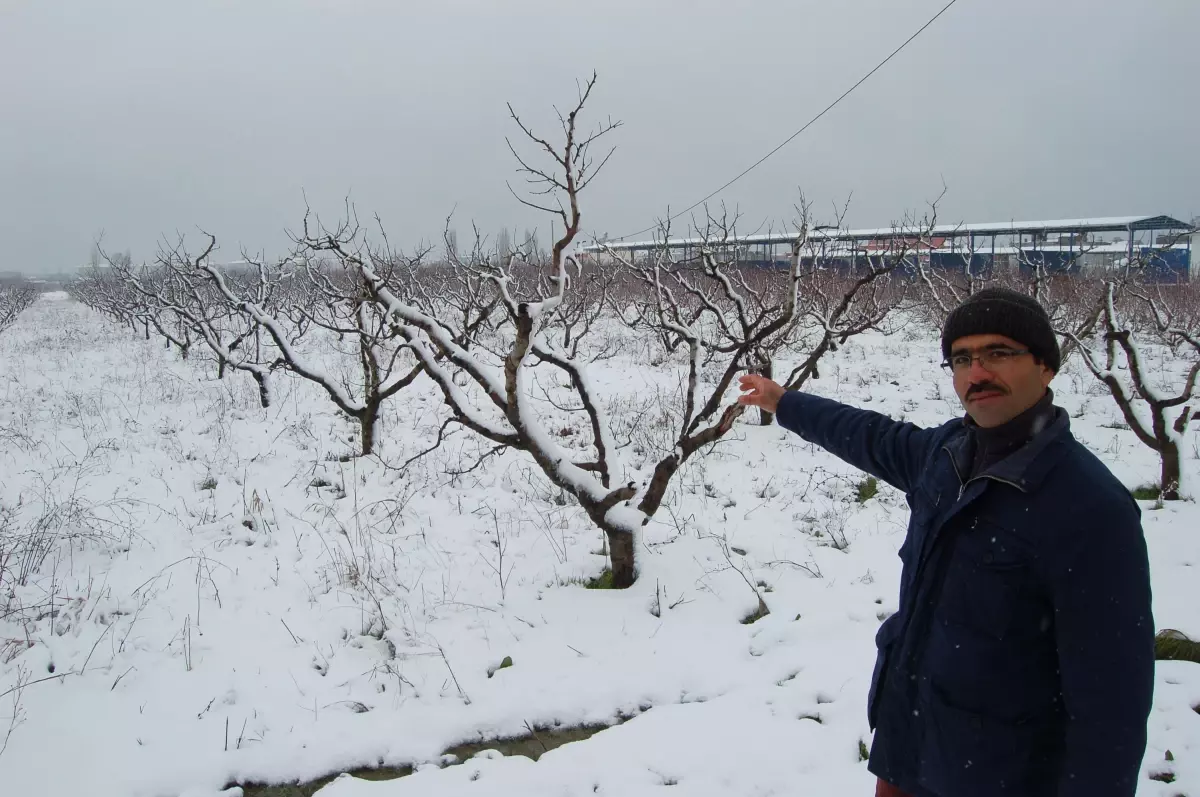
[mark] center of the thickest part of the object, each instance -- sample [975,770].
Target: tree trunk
[1170,471]
[368,421]
[221,369]
[765,417]
[264,392]
[620,546]
[663,471]
[1067,348]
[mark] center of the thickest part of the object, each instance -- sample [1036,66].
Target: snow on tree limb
[14,300]
[1130,309]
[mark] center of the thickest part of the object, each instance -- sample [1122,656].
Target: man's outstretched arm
[885,448]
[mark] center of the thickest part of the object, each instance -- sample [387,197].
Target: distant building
[1060,246]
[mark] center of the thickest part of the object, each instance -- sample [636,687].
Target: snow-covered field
[239,605]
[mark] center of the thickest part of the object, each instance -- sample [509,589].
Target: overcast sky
[141,118]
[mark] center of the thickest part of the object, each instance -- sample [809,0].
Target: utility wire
[809,124]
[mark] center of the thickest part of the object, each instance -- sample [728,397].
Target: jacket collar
[1026,467]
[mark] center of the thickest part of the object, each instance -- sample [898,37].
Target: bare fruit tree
[726,317]
[968,268]
[334,300]
[1070,297]
[177,297]
[139,295]
[14,300]
[490,389]
[845,299]
[962,272]
[721,319]
[361,333]
[717,309]
[1131,315]
[254,315]
[103,291]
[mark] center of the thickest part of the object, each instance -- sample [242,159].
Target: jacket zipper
[962,485]
[922,561]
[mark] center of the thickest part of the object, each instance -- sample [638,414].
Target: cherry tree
[14,300]
[842,302]
[101,288]
[1071,297]
[1132,314]
[739,317]
[179,301]
[489,387]
[336,301]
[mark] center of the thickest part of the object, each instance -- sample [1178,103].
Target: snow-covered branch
[1158,419]
[14,300]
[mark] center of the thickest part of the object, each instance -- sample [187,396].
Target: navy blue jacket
[1021,660]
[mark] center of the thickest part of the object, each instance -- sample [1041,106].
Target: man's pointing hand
[758,391]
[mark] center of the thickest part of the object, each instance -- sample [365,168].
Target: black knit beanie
[1000,311]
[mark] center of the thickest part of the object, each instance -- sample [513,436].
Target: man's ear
[1047,374]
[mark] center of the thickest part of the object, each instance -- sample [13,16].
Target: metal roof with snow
[1130,224]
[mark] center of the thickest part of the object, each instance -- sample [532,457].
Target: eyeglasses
[991,359]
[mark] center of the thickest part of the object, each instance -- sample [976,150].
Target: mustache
[985,387]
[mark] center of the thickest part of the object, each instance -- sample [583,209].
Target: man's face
[995,388]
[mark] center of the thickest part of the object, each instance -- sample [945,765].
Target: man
[1021,660]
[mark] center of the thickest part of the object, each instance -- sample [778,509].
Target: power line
[807,125]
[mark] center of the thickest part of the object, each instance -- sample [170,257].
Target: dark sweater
[994,444]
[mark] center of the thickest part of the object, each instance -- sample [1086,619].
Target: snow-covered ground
[241,605]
